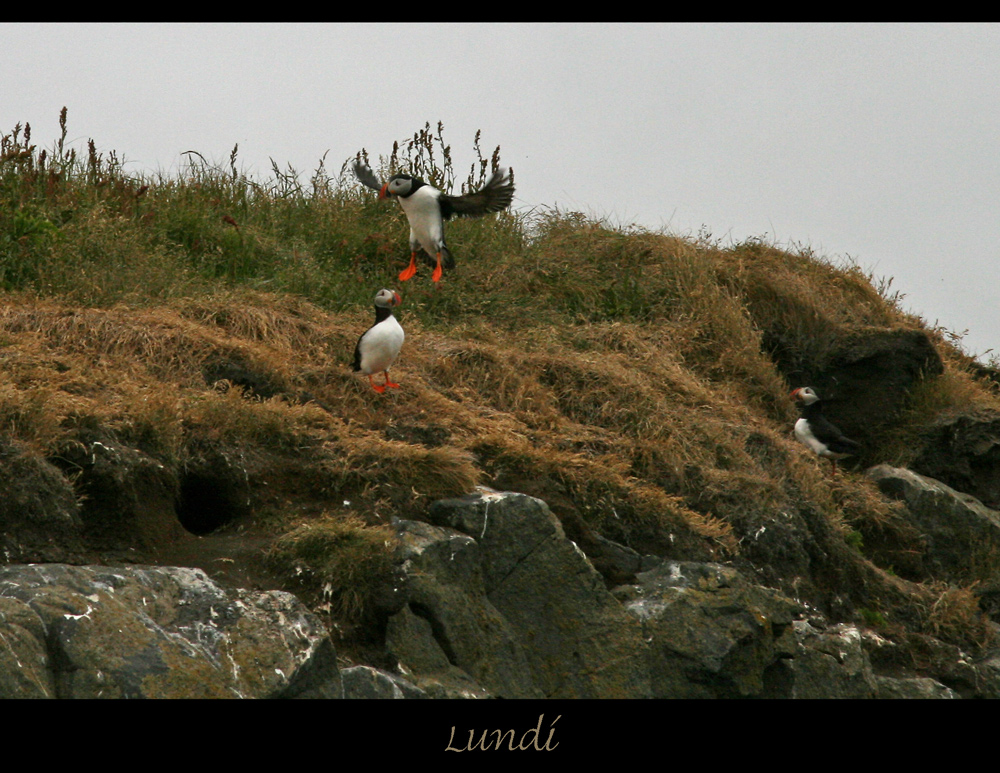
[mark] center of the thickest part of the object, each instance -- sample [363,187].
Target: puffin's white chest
[380,346]
[805,435]
[424,214]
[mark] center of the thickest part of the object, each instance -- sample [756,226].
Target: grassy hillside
[633,380]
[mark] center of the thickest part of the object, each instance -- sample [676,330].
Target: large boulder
[24,658]
[449,635]
[962,535]
[365,682]
[863,375]
[710,632]
[964,453]
[155,632]
[577,639]
[915,688]
[828,663]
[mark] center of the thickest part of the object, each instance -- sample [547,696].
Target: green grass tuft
[341,560]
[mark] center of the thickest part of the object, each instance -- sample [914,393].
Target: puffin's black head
[805,395]
[386,299]
[400,185]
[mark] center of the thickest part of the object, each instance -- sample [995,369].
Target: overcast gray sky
[879,142]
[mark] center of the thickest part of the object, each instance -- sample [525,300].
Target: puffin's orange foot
[377,387]
[436,276]
[389,383]
[410,270]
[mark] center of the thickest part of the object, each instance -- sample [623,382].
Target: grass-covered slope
[203,326]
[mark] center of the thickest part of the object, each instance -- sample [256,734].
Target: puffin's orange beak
[384,194]
[398,299]
[795,392]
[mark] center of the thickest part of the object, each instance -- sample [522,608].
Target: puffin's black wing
[357,356]
[828,433]
[497,194]
[366,176]
[357,352]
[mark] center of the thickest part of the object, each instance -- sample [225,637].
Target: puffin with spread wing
[427,208]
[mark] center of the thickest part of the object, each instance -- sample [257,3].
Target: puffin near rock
[819,433]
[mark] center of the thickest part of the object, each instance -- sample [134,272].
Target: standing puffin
[816,431]
[379,346]
[427,208]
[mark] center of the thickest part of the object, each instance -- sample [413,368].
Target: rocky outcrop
[708,632]
[962,535]
[492,601]
[576,637]
[449,635]
[155,632]
[914,660]
[829,662]
[365,682]
[917,688]
[963,452]
[517,608]
[500,604]
[862,375]
[498,597]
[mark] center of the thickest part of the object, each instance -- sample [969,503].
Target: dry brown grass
[630,378]
[623,377]
[953,614]
[803,306]
[956,391]
[610,412]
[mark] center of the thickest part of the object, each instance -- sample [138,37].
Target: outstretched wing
[497,194]
[366,176]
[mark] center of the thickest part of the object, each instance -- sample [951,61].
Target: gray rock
[961,532]
[449,633]
[921,656]
[626,560]
[830,663]
[24,662]
[919,688]
[964,452]
[578,639]
[987,670]
[710,633]
[411,639]
[156,632]
[371,683]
